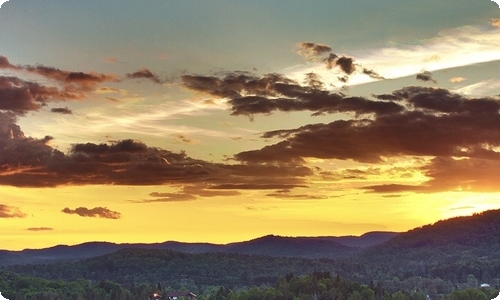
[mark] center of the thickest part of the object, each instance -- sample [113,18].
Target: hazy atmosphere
[222,121]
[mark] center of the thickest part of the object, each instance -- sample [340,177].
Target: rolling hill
[307,247]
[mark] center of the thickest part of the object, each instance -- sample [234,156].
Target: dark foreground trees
[317,286]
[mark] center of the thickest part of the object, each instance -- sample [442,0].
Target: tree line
[315,286]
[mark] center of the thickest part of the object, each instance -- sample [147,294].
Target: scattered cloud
[451,174]
[188,193]
[62,110]
[346,64]
[20,96]
[26,161]
[107,90]
[40,229]
[310,50]
[459,126]
[372,74]
[258,186]
[7,211]
[111,59]
[457,79]
[313,80]
[168,197]
[249,95]
[331,60]
[96,212]
[182,138]
[401,60]
[146,74]
[286,194]
[425,76]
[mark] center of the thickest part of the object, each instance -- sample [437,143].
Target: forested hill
[452,239]
[457,250]
[134,266]
[309,247]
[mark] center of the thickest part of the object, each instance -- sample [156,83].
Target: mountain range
[272,245]
[451,240]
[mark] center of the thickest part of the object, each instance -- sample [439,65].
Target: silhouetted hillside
[329,247]
[368,239]
[129,266]
[470,236]
[461,249]
[308,247]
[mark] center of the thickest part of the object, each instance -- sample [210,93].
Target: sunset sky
[221,121]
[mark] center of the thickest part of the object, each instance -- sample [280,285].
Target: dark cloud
[234,85]
[146,74]
[309,50]
[5,64]
[286,194]
[188,193]
[425,76]
[62,110]
[30,162]
[76,80]
[451,174]
[261,186]
[40,229]
[183,138]
[8,129]
[19,96]
[168,197]
[251,95]
[372,74]
[349,174]
[346,64]
[394,188]
[314,81]
[331,60]
[96,212]
[390,97]
[436,123]
[19,152]
[7,211]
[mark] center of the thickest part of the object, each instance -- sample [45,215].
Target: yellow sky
[216,219]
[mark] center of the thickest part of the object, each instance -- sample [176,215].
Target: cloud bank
[7,211]
[96,212]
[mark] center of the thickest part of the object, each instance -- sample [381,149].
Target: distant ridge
[307,247]
[368,239]
[455,238]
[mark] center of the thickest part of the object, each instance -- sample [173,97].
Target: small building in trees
[155,296]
